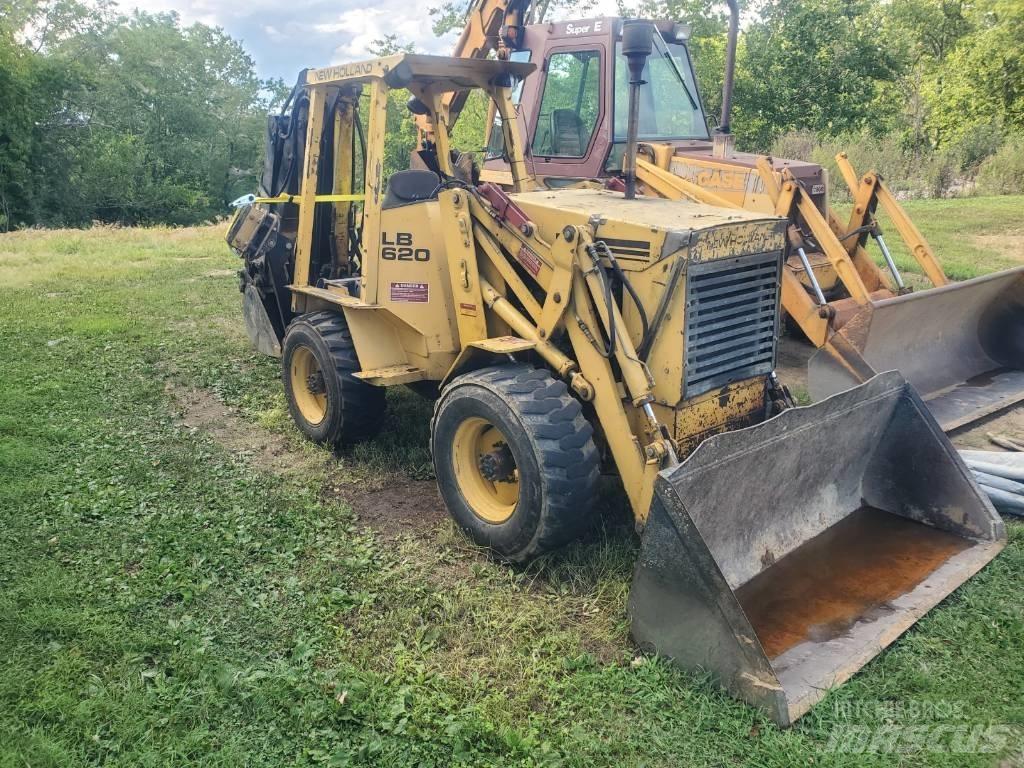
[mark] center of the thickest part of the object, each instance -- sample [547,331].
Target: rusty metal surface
[850,572]
[741,511]
[960,345]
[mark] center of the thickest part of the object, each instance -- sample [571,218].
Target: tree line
[932,90]
[131,119]
[140,119]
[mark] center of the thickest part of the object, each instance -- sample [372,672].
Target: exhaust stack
[724,140]
[636,47]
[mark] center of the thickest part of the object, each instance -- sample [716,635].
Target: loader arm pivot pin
[659,429]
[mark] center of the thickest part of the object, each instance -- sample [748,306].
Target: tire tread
[362,405]
[568,457]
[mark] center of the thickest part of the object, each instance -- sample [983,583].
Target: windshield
[496,139]
[669,106]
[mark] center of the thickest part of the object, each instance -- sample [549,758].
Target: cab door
[568,123]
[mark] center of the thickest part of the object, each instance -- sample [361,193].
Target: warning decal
[530,260]
[414,293]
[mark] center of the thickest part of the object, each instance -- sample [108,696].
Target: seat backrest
[567,131]
[411,186]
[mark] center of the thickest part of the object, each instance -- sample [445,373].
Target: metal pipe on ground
[999,470]
[1010,464]
[1002,483]
[1011,503]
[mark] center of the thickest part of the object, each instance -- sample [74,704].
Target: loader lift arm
[950,341]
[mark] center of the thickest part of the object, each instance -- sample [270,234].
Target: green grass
[971,236]
[164,601]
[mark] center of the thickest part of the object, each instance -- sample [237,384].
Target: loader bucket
[961,346]
[783,557]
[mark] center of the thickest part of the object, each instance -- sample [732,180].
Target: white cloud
[285,37]
[359,27]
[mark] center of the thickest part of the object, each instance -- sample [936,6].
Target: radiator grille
[731,316]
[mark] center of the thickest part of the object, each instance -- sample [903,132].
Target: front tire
[328,404]
[515,460]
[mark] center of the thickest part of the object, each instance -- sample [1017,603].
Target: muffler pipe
[722,145]
[637,43]
[730,65]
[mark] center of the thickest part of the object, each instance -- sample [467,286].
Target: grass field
[183,580]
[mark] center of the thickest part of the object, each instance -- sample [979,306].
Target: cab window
[669,105]
[570,106]
[496,139]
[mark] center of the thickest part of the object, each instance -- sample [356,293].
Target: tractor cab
[573,113]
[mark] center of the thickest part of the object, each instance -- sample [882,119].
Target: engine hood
[646,230]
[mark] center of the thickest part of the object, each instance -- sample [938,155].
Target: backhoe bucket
[961,346]
[783,557]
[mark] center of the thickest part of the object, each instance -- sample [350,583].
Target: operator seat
[408,187]
[568,134]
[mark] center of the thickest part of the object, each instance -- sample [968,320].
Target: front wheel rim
[485,470]
[309,389]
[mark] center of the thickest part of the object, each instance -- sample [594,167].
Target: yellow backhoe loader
[566,331]
[960,344]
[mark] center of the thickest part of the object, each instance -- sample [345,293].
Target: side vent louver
[731,310]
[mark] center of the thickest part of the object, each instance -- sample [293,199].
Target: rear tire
[328,404]
[515,460]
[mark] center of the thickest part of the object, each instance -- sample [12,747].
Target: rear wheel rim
[309,390]
[485,470]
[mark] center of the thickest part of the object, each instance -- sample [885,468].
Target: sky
[284,37]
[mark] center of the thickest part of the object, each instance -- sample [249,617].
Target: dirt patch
[1008,244]
[1009,423]
[401,507]
[221,273]
[791,362]
[408,514]
[265,450]
[407,506]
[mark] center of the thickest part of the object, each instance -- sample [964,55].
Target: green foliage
[470,134]
[141,119]
[1003,173]
[128,120]
[810,64]
[982,78]
[911,171]
[400,135]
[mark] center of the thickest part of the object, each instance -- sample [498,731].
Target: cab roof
[438,74]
